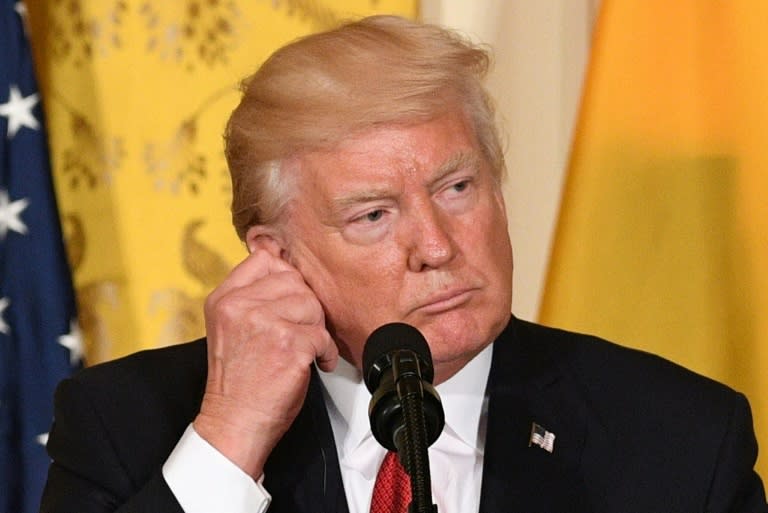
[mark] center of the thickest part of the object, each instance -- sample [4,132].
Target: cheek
[349,282]
[487,235]
[367,285]
[357,298]
[490,253]
[312,266]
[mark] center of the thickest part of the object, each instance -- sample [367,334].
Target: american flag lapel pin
[542,438]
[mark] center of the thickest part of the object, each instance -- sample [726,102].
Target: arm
[86,475]
[736,487]
[264,328]
[89,476]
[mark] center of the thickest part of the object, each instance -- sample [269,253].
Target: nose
[431,243]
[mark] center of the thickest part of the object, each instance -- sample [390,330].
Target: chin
[460,337]
[449,340]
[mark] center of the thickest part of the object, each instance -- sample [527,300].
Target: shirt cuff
[204,480]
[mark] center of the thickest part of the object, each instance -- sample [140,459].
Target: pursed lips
[445,300]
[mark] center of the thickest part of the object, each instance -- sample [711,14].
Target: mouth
[445,301]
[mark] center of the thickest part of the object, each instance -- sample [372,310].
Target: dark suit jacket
[634,433]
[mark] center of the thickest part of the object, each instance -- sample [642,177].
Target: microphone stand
[411,438]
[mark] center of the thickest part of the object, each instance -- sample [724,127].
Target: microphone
[405,411]
[397,369]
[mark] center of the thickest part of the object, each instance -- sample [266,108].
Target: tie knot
[392,491]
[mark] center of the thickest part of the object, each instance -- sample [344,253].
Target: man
[366,175]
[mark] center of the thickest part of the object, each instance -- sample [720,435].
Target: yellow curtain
[663,237]
[136,94]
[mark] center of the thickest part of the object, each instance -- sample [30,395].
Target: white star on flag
[42,439]
[21,10]
[18,110]
[74,342]
[4,328]
[9,214]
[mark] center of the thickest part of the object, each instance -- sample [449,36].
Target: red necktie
[392,491]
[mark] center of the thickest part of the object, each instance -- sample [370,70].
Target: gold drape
[662,242]
[136,94]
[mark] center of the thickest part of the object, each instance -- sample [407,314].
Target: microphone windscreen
[385,340]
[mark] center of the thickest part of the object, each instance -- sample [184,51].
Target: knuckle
[224,308]
[283,338]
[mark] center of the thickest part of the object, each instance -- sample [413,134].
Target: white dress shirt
[455,459]
[203,480]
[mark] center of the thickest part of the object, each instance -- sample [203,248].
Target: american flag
[39,338]
[542,438]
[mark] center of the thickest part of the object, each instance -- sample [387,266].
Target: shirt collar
[348,399]
[462,396]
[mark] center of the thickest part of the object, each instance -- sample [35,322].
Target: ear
[499,197]
[264,238]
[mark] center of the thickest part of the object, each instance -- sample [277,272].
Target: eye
[460,186]
[369,226]
[374,216]
[370,217]
[459,195]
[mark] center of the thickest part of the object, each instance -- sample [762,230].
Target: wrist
[248,448]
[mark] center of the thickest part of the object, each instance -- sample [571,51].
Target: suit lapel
[527,385]
[302,473]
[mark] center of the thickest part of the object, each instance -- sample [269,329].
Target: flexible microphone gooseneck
[405,410]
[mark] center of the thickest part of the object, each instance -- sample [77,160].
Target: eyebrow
[361,197]
[458,161]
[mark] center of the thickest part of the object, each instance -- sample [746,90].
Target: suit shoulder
[155,387]
[127,413]
[615,372]
[170,378]
[177,361]
[660,431]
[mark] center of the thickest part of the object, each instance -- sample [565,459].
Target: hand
[265,328]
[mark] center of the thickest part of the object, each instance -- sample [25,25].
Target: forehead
[392,152]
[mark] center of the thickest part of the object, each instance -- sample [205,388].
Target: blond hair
[317,90]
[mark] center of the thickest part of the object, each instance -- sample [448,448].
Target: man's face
[405,223]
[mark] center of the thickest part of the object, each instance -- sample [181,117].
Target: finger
[283,295]
[300,308]
[256,265]
[317,344]
[327,354]
[282,344]
[274,286]
[313,341]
